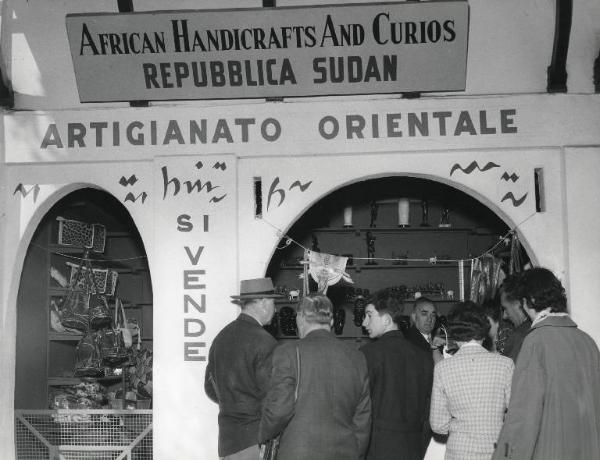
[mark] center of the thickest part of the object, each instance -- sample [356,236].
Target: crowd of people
[530,390]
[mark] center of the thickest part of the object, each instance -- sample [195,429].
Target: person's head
[542,291]
[511,299]
[382,314]
[261,309]
[315,311]
[493,312]
[467,321]
[257,299]
[424,315]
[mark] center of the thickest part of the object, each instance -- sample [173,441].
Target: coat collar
[248,319]
[318,333]
[473,349]
[393,334]
[555,321]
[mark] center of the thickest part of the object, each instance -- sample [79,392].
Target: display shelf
[63,337]
[62,381]
[388,266]
[410,230]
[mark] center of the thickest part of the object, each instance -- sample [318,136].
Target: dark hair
[467,321]
[316,308]
[384,302]
[543,290]
[513,287]
[492,309]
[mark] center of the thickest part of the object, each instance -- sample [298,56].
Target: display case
[47,350]
[411,245]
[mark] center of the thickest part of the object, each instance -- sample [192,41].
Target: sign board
[270,52]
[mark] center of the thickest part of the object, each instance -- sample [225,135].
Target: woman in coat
[554,413]
[471,389]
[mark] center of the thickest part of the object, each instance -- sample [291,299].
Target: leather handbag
[112,347]
[111,342]
[88,361]
[130,329]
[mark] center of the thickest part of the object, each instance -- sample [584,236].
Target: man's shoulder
[239,328]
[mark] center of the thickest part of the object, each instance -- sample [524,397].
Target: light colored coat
[555,410]
[470,395]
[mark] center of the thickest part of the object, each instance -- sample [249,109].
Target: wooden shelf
[63,337]
[388,266]
[408,230]
[61,381]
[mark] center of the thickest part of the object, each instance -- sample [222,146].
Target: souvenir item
[370,239]
[339,319]
[424,213]
[88,360]
[327,270]
[403,213]
[374,210]
[348,216]
[287,321]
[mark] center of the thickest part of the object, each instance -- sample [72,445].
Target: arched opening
[409,234]
[87,231]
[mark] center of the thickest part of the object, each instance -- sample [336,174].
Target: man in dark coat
[511,296]
[423,319]
[400,376]
[421,334]
[318,396]
[239,366]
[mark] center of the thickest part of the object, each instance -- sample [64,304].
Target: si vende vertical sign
[248,53]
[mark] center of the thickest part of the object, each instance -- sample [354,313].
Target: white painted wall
[582,219]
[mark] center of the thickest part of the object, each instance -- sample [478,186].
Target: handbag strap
[118,307]
[298,378]
[123,313]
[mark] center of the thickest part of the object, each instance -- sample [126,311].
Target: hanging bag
[74,308]
[111,343]
[129,328]
[88,360]
[98,312]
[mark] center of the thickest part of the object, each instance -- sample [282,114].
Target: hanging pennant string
[282,235]
[91,259]
[502,240]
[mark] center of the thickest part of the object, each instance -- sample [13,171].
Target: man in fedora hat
[239,368]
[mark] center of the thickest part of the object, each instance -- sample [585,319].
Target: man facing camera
[420,333]
[400,377]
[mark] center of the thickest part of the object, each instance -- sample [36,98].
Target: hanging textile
[516,263]
[327,270]
[486,277]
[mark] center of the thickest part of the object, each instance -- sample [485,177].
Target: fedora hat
[257,288]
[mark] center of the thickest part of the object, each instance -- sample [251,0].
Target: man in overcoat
[554,411]
[318,398]
[421,333]
[400,376]
[238,370]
